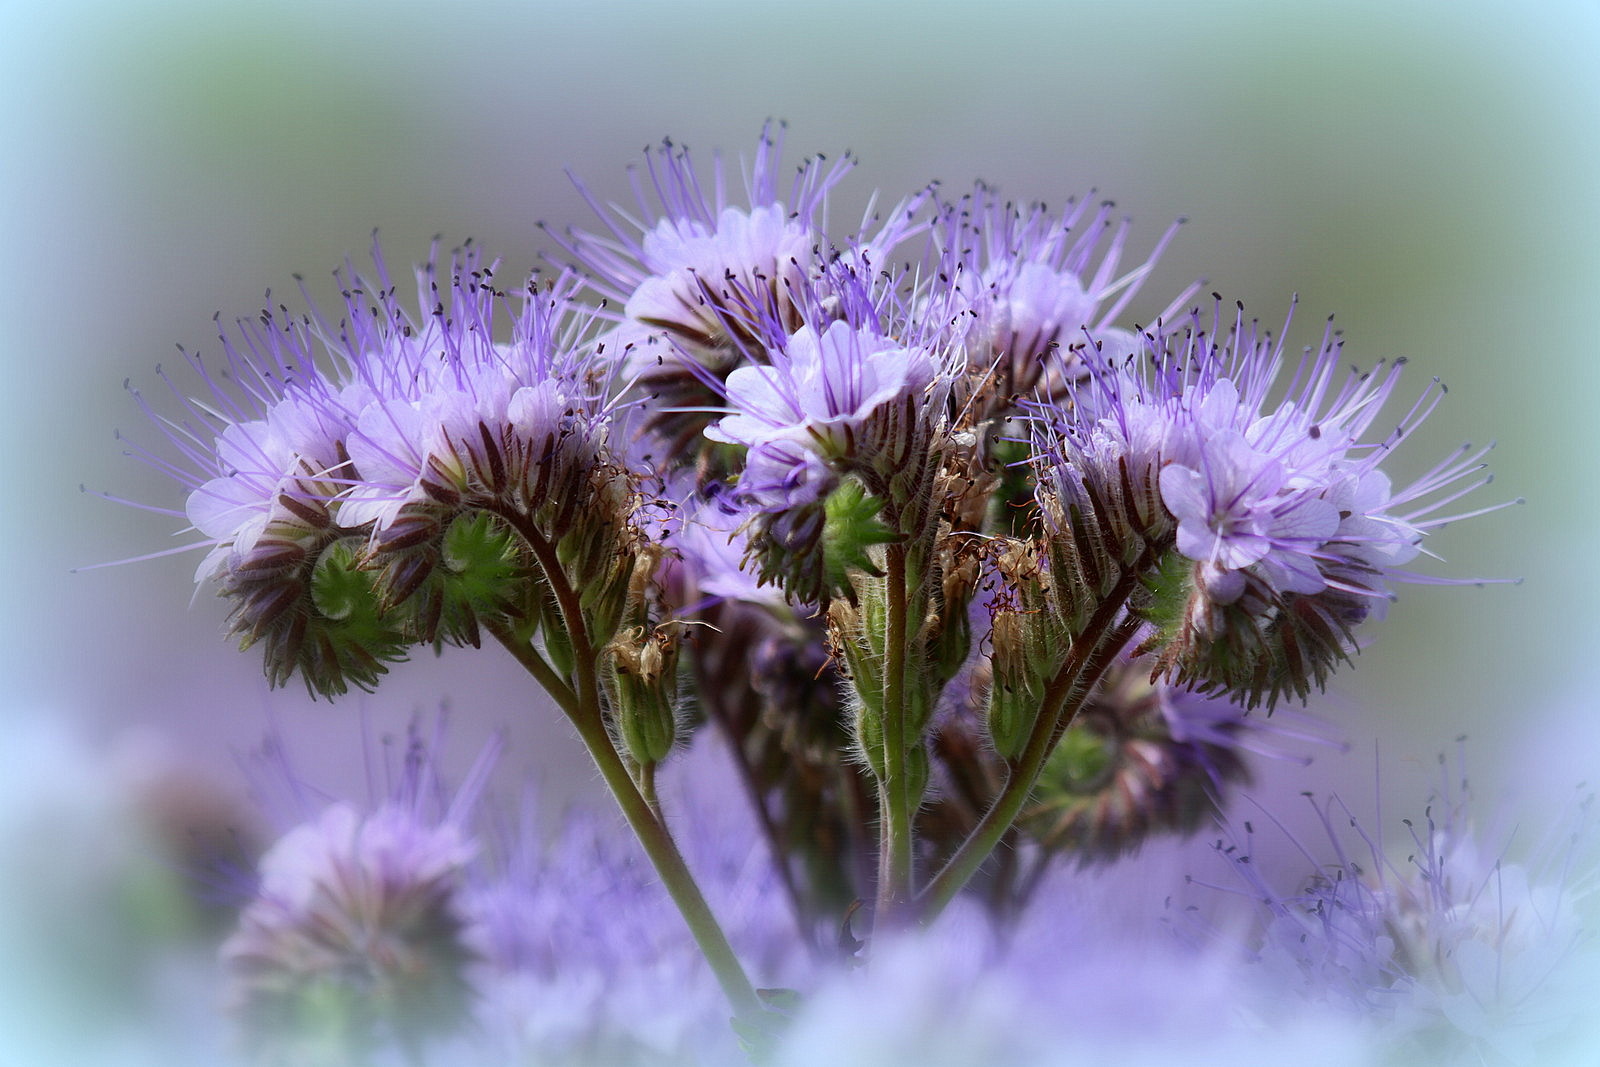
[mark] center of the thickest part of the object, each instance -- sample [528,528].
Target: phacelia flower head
[858,393]
[357,936]
[696,269]
[1255,504]
[361,484]
[690,254]
[1143,758]
[1037,281]
[833,393]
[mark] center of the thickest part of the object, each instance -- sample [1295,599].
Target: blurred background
[1428,171]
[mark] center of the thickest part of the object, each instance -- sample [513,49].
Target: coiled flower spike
[1256,508]
[362,485]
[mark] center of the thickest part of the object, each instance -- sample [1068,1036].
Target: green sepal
[1170,586]
[646,718]
[643,686]
[605,601]
[850,530]
[951,643]
[917,771]
[918,697]
[1010,717]
[869,737]
[481,574]
[347,638]
[1079,763]
[481,560]
[340,590]
[544,619]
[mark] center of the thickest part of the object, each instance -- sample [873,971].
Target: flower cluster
[355,510]
[975,578]
[1251,499]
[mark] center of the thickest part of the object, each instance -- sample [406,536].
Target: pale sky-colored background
[1429,171]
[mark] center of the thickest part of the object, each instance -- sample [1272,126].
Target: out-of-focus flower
[1060,987]
[355,939]
[1454,954]
[585,959]
[1144,758]
[105,928]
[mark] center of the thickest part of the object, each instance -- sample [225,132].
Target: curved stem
[587,714]
[674,872]
[536,665]
[1091,654]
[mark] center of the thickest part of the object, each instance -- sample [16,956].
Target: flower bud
[644,677]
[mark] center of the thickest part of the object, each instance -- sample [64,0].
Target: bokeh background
[1429,171]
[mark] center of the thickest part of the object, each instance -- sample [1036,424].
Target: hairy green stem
[536,665]
[674,872]
[895,874]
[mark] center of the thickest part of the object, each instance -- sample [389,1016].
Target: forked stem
[584,709]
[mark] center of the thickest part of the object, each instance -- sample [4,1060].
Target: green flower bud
[644,682]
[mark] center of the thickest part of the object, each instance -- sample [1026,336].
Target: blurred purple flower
[354,939]
[1455,954]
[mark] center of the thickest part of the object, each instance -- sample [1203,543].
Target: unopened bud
[644,672]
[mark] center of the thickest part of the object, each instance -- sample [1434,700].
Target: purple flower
[357,483]
[815,404]
[356,936]
[710,539]
[708,281]
[1064,983]
[1037,281]
[1258,503]
[520,424]
[689,260]
[1455,953]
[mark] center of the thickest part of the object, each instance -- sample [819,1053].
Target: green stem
[895,874]
[674,872]
[1087,660]
[536,665]
[645,775]
[588,715]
